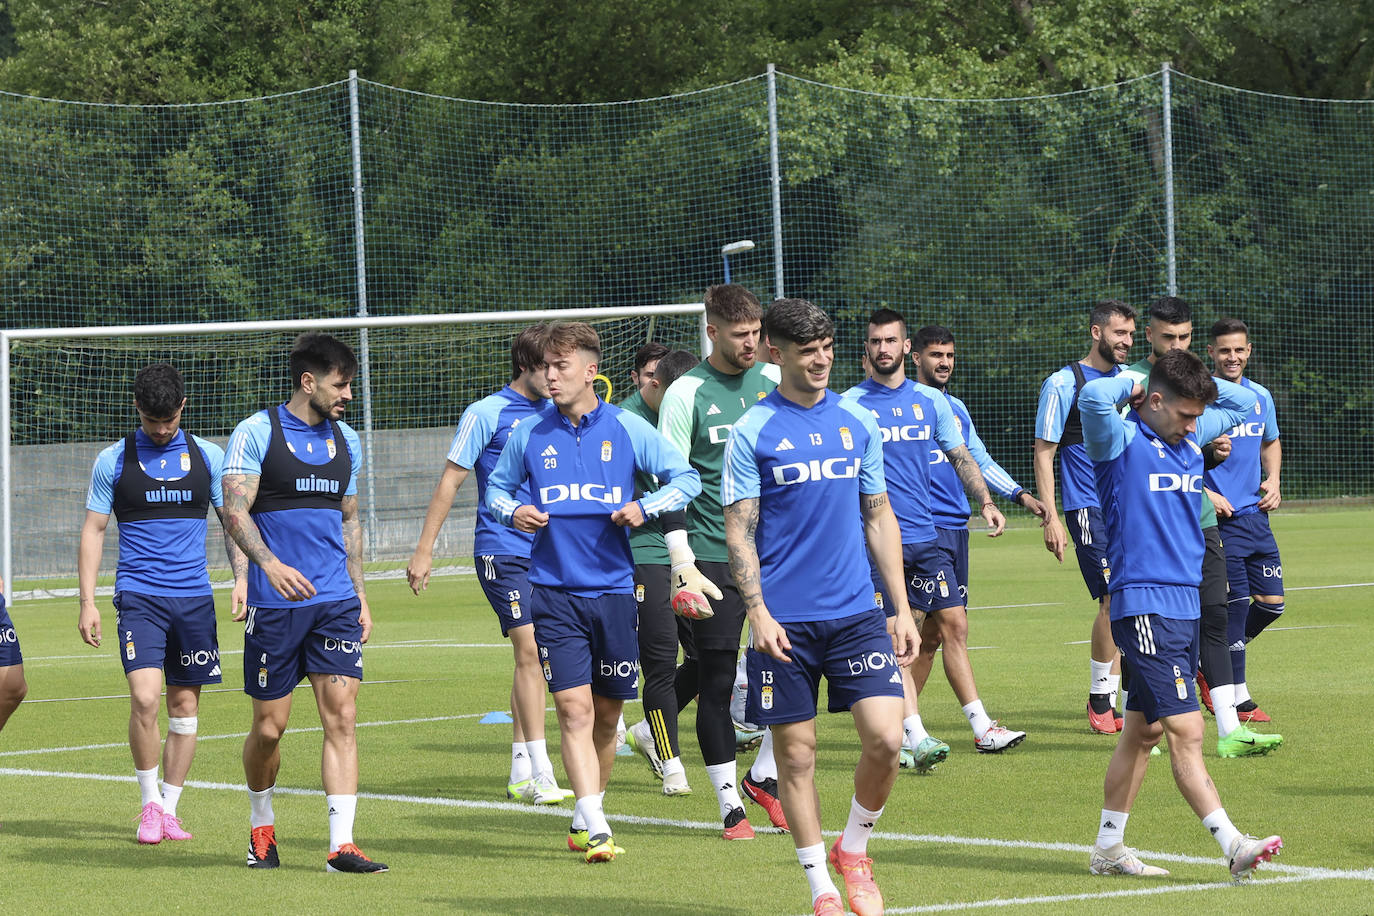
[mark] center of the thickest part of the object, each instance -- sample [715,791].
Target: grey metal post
[6,478]
[364,353]
[775,179]
[1169,180]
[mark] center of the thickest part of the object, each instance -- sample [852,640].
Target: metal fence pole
[6,477]
[364,353]
[1168,115]
[775,179]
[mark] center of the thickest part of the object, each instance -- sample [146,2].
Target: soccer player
[501,555]
[796,464]
[914,420]
[291,505]
[933,357]
[1247,488]
[696,416]
[579,457]
[1058,428]
[660,629]
[13,687]
[1171,328]
[646,362]
[159,482]
[1148,470]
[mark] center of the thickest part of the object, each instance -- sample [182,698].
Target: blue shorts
[281,645]
[1252,556]
[1089,535]
[174,633]
[1162,655]
[505,580]
[9,641]
[854,653]
[587,641]
[918,568]
[951,570]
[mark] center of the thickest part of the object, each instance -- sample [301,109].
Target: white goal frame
[360,325]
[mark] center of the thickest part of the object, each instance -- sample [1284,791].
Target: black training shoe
[350,859]
[262,848]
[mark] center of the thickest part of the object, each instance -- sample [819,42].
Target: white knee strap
[182,725]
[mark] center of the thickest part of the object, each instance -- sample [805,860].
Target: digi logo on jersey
[586,492]
[718,434]
[806,471]
[905,433]
[164,495]
[1188,483]
[1242,430]
[313,484]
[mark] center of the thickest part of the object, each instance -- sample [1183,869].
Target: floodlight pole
[1168,118]
[6,478]
[364,351]
[775,179]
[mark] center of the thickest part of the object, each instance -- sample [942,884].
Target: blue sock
[1261,614]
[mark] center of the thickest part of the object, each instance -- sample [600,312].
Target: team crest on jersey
[639,594]
[917,412]
[762,395]
[846,438]
[605,449]
[878,600]
[958,423]
[330,447]
[1259,409]
[186,461]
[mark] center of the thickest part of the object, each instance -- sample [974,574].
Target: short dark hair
[563,337]
[1104,310]
[931,334]
[887,316]
[1170,310]
[797,321]
[732,303]
[319,354]
[1225,326]
[648,353]
[527,350]
[672,366]
[159,390]
[1180,373]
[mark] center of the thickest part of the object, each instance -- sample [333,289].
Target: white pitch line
[369,648]
[998,607]
[1313,588]
[300,686]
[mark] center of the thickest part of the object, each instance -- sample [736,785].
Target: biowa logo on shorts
[589,492]
[618,669]
[872,661]
[200,658]
[816,469]
[346,646]
[7,635]
[1267,570]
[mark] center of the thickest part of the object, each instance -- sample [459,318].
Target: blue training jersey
[948,501]
[579,475]
[309,538]
[1238,477]
[158,556]
[912,419]
[1149,492]
[807,466]
[482,434]
[1052,421]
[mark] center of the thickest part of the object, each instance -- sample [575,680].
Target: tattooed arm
[239,492]
[972,478]
[885,545]
[353,545]
[741,521]
[238,564]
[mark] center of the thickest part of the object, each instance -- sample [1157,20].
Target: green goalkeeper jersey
[1140,372]
[696,415]
[646,541]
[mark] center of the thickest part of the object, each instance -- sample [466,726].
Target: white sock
[588,809]
[170,796]
[1112,828]
[260,812]
[859,828]
[1100,680]
[620,725]
[1223,831]
[1122,695]
[520,767]
[147,785]
[1114,687]
[765,767]
[914,730]
[673,767]
[812,859]
[723,777]
[1242,694]
[1224,706]
[978,718]
[341,811]
[539,757]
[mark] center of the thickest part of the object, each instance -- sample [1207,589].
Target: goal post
[66,393]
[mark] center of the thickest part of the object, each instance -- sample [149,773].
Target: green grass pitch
[1008,831]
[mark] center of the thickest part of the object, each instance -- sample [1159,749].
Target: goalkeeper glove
[690,587]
